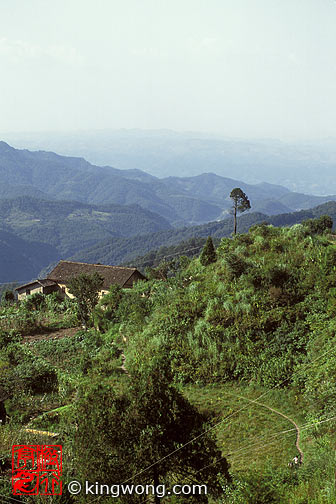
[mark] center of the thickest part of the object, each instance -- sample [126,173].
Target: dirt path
[297,428]
[57,334]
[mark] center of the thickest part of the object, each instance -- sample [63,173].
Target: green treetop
[86,289]
[208,254]
[240,203]
[146,434]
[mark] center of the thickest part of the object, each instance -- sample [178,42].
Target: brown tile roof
[43,282]
[46,282]
[65,270]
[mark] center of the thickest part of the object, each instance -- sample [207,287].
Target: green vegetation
[240,203]
[8,297]
[319,226]
[86,289]
[210,373]
[197,199]
[132,250]
[54,207]
[37,232]
[208,254]
[133,428]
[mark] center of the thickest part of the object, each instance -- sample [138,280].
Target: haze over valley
[163,153]
[168,251]
[57,207]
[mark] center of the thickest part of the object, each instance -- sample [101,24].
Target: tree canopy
[86,289]
[208,254]
[146,429]
[240,203]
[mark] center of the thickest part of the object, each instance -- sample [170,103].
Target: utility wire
[11,498]
[257,445]
[218,423]
[247,447]
[244,448]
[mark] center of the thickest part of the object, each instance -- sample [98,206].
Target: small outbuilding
[44,286]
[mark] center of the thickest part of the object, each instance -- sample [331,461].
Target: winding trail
[297,428]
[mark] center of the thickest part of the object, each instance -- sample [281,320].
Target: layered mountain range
[181,200]
[138,250]
[294,164]
[54,207]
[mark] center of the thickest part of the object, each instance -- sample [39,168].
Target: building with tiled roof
[59,278]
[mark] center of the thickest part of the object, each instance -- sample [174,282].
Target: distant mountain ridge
[180,200]
[28,244]
[37,232]
[54,207]
[68,225]
[20,259]
[302,166]
[125,250]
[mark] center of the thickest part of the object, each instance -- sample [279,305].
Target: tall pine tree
[240,203]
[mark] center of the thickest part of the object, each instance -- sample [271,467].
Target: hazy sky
[238,67]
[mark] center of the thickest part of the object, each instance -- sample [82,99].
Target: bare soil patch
[57,334]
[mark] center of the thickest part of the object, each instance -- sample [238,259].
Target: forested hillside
[168,253]
[165,152]
[70,226]
[118,250]
[37,232]
[181,200]
[20,259]
[118,215]
[222,374]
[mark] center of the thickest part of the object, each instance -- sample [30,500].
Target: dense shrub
[262,229]
[245,318]
[35,301]
[7,337]
[330,260]
[256,277]
[277,275]
[318,226]
[36,375]
[244,239]
[8,297]
[235,264]
[25,371]
[208,254]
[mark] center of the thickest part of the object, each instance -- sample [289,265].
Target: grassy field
[250,436]
[246,432]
